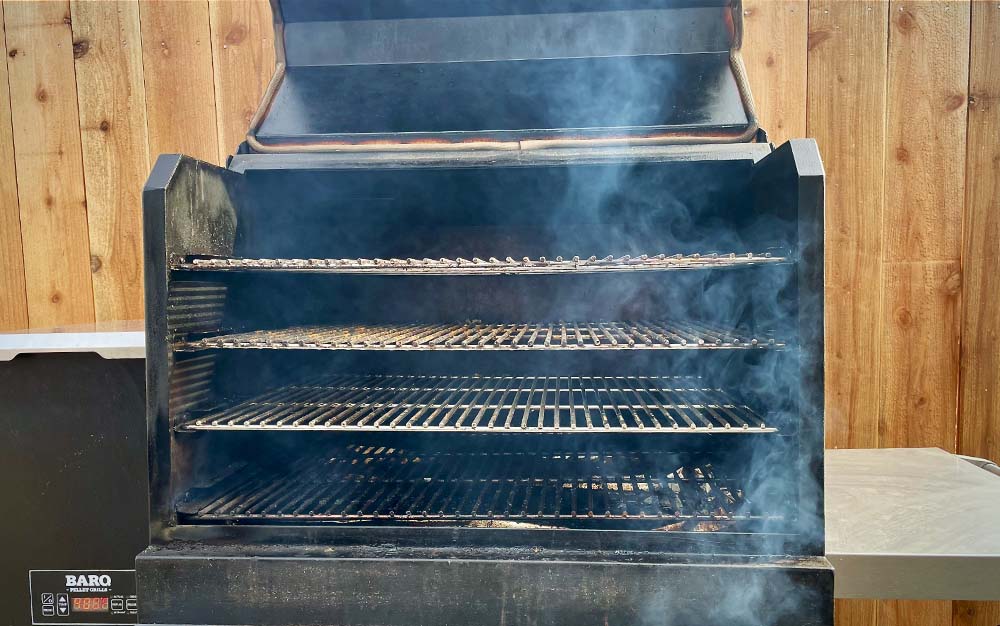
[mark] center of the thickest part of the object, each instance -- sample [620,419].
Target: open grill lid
[399,75]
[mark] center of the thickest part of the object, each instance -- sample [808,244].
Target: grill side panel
[791,179]
[189,207]
[293,587]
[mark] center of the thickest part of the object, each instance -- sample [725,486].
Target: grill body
[403,370]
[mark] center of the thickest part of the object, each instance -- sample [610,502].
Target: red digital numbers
[90,605]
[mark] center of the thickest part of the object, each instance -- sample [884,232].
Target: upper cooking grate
[491,265]
[475,335]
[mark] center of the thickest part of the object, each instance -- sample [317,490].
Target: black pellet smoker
[503,313]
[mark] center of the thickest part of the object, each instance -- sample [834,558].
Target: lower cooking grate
[475,335]
[490,403]
[363,483]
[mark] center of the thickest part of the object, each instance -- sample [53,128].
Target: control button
[132,604]
[117,604]
[62,604]
[48,610]
[48,598]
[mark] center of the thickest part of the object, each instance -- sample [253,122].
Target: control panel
[83,596]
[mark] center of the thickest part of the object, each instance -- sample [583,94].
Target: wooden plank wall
[90,94]
[903,97]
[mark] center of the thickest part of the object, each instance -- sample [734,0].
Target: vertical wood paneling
[979,418]
[116,162]
[177,65]
[925,164]
[976,613]
[882,89]
[856,612]
[49,165]
[979,392]
[920,353]
[914,613]
[924,191]
[774,50]
[243,59]
[846,116]
[13,306]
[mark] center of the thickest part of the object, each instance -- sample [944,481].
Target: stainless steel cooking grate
[367,483]
[474,335]
[490,403]
[491,265]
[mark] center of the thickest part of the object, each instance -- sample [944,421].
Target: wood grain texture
[243,60]
[774,50]
[914,613]
[925,164]
[979,389]
[855,612]
[920,352]
[116,162]
[13,303]
[882,88]
[50,181]
[847,90]
[922,224]
[979,392]
[180,90]
[976,614]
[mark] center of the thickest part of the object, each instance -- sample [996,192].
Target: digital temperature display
[92,604]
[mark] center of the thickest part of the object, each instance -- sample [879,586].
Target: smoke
[623,206]
[617,207]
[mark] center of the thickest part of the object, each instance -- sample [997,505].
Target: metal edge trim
[520,145]
[137,351]
[915,576]
[279,74]
[754,151]
[265,103]
[743,85]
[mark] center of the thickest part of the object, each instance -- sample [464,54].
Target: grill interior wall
[747,299]
[597,209]
[538,211]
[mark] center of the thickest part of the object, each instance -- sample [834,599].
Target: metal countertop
[111,340]
[900,523]
[912,523]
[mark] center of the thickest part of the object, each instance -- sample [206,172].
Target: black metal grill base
[297,585]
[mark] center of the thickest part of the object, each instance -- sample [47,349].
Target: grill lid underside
[443,76]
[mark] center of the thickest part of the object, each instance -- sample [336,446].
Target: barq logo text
[88,582]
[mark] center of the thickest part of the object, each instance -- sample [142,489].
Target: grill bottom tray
[312,585]
[368,484]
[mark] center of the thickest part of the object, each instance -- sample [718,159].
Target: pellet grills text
[505,312]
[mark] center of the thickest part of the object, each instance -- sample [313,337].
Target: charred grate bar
[491,404]
[638,335]
[491,265]
[389,484]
